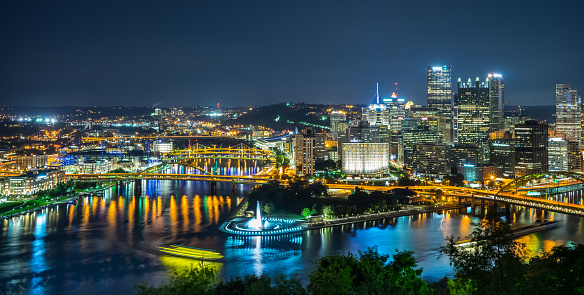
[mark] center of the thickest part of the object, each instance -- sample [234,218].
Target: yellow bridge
[504,195]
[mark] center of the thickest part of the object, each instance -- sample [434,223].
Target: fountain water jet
[256,223]
[261,226]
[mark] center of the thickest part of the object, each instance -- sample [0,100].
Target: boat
[190,252]
[521,231]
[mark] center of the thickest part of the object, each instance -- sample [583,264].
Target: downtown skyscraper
[496,101]
[440,88]
[568,113]
[472,119]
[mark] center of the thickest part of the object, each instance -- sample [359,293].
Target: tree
[406,181]
[192,281]
[305,212]
[367,273]
[269,208]
[327,211]
[493,264]
[260,285]
[558,271]
[333,275]
[454,180]
[118,170]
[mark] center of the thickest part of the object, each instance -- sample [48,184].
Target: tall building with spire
[440,88]
[377,114]
[568,113]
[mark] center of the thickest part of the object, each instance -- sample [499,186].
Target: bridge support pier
[233,188]
[508,212]
[213,187]
[137,187]
[459,201]
[118,189]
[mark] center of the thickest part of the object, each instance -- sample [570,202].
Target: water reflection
[111,242]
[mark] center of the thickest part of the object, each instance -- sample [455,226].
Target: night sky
[251,53]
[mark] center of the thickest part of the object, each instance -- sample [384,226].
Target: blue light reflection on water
[110,243]
[37,261]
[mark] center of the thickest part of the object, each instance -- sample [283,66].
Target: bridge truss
[517,191]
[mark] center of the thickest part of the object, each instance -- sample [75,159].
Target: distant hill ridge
[542,113]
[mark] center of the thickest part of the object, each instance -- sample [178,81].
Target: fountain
[257,221]
[258,226]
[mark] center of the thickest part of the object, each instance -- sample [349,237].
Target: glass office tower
[568,113]
[440,88]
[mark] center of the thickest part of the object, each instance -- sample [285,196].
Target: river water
[109,243]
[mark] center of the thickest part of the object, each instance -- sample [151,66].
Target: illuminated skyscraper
[377,113]
[472,112]
[531,142]
[496,101]
[336,117]
[397,112]
[557,154]
[568,113]
[440,88]
[304,152]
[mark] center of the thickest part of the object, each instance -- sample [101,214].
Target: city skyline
[204,54]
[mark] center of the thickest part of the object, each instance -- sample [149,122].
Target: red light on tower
[217,105]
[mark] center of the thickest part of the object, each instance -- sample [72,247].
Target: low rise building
[365,158]
[480,173]
[32,182]
[95,167]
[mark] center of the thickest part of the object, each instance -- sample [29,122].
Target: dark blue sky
[254,53]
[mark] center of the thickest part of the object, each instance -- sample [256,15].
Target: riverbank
[382,215]
[30,205]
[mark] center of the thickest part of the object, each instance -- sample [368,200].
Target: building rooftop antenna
[377,95]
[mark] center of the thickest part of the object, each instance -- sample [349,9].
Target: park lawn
[285,214]
[295,207]
[5,207]
[30,204]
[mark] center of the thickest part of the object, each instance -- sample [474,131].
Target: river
[109,243]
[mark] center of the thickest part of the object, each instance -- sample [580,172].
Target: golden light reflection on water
[465,224]
[216,210]
[208,208]
[131,211]
[71,215]
[197,212]
[121,205]
[173,215]
[184,205]
[85,219]
[159,211]
[94,202]
[111,216]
